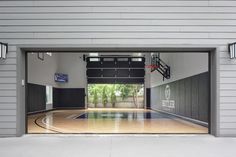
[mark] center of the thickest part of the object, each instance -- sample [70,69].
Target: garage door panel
[136,65]
[130,81]
[92,63]
[115,69]
[108,63]
[123,73]
[109,72]
[115,81]
[137,72]
[100,80]
[94,72]
[123,64]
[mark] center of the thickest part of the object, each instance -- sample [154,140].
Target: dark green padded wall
[191,96]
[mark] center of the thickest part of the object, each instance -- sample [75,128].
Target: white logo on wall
[167,92]
[168,104]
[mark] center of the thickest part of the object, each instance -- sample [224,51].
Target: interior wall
[72,93]
[182,65]
[69,98]
[42,72]
[186,93]
[73,65]
[189,97]
[36,98]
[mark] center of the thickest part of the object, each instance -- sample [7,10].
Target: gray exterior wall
[107,23]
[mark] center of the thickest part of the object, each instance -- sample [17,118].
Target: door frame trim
[22,71]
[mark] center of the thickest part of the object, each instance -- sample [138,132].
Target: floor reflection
[110,121]
[124,115]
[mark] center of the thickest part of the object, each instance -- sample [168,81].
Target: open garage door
[115,82]
[116,70]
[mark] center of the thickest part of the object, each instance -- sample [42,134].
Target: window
[94,59]
[137,54]
[123,59]
[48,95]
[136,59]
[108,59]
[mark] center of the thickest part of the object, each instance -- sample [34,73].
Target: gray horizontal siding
[7,86]
[116,16]
[120,41]
[227,94]
[8,118]
[7,132]
[8,106]
[7,125]
[128,29]
[8,94]
[111,9]
[134,35]
[118,22]
[122,22]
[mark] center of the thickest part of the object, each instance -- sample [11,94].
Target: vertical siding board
[188,97]
[195,99]
[177,103]
[182,97]
[191,97]
[174,97]
[204,98]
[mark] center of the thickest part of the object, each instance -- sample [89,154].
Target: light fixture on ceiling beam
[232,50]
[3,50]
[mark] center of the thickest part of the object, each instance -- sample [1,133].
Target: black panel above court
[115,69]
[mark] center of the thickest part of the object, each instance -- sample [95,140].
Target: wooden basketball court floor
[110,121]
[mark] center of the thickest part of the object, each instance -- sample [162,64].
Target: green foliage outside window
[113,97]
[104,96]
[108,95]
[95,97]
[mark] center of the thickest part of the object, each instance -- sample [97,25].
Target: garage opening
[115,81]
[118,92]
